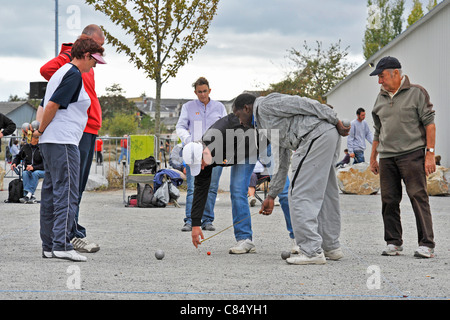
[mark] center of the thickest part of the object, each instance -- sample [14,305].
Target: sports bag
[147,165]
[15,191]
[144,195]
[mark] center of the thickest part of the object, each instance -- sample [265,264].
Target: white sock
[29,195]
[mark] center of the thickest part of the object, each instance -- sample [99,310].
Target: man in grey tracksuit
[312,130]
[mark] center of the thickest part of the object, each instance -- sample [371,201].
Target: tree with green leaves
[384,23]
[431,4]
[114,102]
[120,124]
[315,72]
[166,34]
[416,13]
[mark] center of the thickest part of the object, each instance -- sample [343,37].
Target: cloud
[247,46]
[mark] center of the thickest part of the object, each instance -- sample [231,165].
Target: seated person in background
[344,161]
[15,148]
[259,168]
[438,160]
[33,169]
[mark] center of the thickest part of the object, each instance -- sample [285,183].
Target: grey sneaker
[71,255]
[252,201]
[243,246]
[24,199]
[303,259]
[335,254]
[424,252]
[82,245]
[186,227]
[392,250]
[208,227]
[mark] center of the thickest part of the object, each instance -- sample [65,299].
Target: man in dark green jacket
[404,141]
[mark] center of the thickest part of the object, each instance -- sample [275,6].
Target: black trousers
[411,169]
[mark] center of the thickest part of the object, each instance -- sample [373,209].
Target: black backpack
[15,191]
[145,166]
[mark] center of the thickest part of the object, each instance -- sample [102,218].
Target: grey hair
[392,70]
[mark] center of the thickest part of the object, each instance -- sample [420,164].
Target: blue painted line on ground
[225,294]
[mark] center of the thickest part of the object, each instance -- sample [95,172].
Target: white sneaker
[47,254]
[82,245]
[392,250]
[69,255]
[335,254]
[295,248]
[243,246]
[303,259]
[252,201]
[424,252]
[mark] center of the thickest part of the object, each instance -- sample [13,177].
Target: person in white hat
[229,147]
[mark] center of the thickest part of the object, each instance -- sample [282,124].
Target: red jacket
[94,122]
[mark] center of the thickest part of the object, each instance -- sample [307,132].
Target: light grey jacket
[294,119]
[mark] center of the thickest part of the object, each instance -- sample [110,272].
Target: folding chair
[139,147]
[263,182]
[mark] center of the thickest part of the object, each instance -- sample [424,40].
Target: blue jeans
[31,180]
[208,215]
[359,156]
[284,199]
[284,203]
[125,154]
[239,181]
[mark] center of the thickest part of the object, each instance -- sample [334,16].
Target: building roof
[10,106]
[380,53]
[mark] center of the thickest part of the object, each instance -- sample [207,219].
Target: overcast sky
[246,50]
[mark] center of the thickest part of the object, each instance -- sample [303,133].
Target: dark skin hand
[267,206]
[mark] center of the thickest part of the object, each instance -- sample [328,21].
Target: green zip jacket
[400,121]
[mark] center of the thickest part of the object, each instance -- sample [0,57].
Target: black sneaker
[32,200]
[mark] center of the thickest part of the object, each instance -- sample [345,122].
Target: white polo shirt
[66,89]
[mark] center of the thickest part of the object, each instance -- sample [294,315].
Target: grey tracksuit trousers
[314,194]
[59,195]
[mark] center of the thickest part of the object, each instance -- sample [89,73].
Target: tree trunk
[158,108]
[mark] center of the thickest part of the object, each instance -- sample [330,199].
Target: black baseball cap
[386,63]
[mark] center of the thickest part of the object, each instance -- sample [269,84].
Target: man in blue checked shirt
[195,118]
[359,133]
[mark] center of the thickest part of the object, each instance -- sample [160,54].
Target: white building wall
[424,52]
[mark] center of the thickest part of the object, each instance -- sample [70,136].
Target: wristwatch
[430,150]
